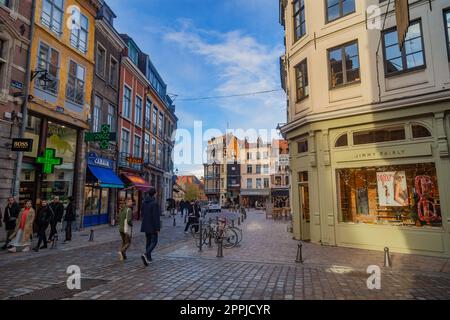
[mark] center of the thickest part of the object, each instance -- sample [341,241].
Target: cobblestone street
[262,267]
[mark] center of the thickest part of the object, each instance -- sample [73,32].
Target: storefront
[48,170]
[280,198]
[252,198]
[135,188]
[377,185]
[101,183]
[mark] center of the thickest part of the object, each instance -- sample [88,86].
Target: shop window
[402,195]
[419,131]
[342,141]
[379,135]
[302,146]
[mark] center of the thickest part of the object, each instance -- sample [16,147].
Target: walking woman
[125,228]
[20,239]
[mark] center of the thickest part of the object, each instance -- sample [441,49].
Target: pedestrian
[10,216]
[58,210]
[43,219]
[69,218]
[125,228]
[193,216]
[151,224]
[20,238]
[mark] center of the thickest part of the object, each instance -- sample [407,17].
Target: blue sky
[206,48]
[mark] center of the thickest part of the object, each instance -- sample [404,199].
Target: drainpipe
[16,183]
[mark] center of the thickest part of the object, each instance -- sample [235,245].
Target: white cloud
[242,65]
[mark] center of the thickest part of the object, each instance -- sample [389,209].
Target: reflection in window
[339,8]
[344,64]
[419,131]
[410,57]
[405,195]
[380,135]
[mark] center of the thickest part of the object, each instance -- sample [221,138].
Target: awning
[106,177]
[280,193]
[138,182]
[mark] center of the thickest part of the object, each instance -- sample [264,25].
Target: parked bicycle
[231,236]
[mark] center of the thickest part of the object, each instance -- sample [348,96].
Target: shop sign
[100,162]
[384,153]
[49,161]
[133,160]
[104,137]
[22,145]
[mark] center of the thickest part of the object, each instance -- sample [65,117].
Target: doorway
[305,215]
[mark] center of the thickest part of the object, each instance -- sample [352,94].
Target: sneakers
[26,249]
[12,250]
[145,260]
[121,257]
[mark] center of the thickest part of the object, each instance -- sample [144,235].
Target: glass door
[305,215]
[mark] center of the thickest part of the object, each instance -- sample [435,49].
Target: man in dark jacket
[43,218]
[151,224]
[58,210]
[10,216]
[69,218]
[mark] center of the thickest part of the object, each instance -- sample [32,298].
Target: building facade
[280,178]
[215,181]
[102,182]
[62,72]
[368,124]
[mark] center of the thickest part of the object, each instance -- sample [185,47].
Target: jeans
[152,241]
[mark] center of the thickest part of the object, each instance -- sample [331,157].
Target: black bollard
[174,220]
[299,253]
[220,248]
[387,258]
[91,236]
[201,234]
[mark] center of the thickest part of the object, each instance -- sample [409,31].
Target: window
[125,143]
[266,183]
[133,53]
[410,57]
[75,84]
[419,131]
[148,108]
[396,195]
[147,148]
[344,65]
[137,147]
[138,112]
[249,183]
[258,183]
[342,141]
[159,155]
[6,3]
[160,125]
[155,119]
[301,78]
[96,114]
[258,155]
[48,59]
[258,169]
[265,155]
[100,61]
[249,156]
[52,14]
[302,146]
[112,117]
[447,29]
[299,19]
[380,135]
[250,169]
[153,150]
[127,102]
[113,72]
[80,31]
[266,169]
[3,62]
[339,8]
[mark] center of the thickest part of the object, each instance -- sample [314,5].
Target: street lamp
[43,77]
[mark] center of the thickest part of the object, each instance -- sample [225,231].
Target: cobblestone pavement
[263,267]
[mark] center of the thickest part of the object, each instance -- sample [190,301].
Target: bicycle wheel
[230,239]
[239,233]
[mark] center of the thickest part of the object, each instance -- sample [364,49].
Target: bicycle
[219,231]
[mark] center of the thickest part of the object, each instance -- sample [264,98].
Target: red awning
[138,182]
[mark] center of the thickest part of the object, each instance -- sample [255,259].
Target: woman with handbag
[125,228]
[21,238]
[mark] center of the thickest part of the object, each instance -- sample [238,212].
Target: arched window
[419,131]
[342,141]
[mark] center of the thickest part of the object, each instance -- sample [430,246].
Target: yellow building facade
[369,124]
[62,68]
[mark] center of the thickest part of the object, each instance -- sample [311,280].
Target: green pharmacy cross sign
[49,161]
[103,137]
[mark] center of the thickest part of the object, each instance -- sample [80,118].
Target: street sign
[49,161]
[22,145]
[104,137]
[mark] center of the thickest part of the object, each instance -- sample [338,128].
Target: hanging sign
[22,145]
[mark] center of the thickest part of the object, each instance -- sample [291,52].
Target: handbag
[126,227]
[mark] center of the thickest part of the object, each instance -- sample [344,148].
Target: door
[305,215]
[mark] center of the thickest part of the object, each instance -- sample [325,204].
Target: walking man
[44,216]
[10,216]
[69,218]
[58,210]
[151,224]
[125,228]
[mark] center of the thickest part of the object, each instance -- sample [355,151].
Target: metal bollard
[387,258]
[220,248]
[299,253]
[232,223]
[201,234]
[174,220]
[91,236]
